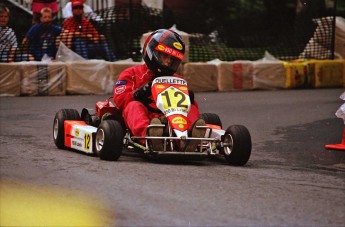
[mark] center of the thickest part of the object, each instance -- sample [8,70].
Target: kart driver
[132,92]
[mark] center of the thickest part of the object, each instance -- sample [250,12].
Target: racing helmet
[163,52]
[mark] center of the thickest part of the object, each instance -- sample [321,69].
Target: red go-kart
[102,131]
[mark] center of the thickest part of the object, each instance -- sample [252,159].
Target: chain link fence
[305,31]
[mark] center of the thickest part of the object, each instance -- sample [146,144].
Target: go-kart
[103,132]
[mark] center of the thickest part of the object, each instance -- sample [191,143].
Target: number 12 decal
[178,101]
[87,139]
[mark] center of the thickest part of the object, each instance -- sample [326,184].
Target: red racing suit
[136,115]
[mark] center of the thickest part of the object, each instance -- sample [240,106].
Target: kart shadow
[176,159]
[79,152]
[131,156]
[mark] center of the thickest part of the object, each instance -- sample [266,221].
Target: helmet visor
[168,57]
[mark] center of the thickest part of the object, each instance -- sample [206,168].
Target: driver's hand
[191,96]
[143,94]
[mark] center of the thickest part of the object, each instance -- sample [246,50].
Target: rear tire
[109,140]
[238,145]
[58,126]
[211,118]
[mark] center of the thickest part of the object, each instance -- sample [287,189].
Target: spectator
[88,12]
[8,39]
[82,37]
[41,38]
[67,10]
[38,5]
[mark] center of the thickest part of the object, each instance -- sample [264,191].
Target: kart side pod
[79,135]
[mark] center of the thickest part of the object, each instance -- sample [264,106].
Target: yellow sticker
[77,132]
[87,139]
[178,45]
[160,86]
[179,120]
[161,47]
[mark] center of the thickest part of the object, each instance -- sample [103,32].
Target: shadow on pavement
[304,145]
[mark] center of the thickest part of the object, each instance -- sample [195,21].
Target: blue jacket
[42,40]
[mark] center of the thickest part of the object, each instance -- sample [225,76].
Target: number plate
[172,98]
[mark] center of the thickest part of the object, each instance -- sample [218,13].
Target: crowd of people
[43,38]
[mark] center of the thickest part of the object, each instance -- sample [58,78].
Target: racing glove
[143,93]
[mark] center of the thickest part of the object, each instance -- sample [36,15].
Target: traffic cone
[340,146]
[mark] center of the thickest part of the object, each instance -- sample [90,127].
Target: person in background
[81,36]
[163,52]
[88,12]
[67,10]
[38,5]
[41,39]
[8,39]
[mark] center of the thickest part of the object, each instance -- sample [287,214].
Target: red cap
[77,3]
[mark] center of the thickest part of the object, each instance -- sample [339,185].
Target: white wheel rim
[228,144]
[99,139]
[56,129]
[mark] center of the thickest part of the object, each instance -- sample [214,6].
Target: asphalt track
[290,179]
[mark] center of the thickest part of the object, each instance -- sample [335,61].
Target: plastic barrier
[327,73]
[89,77]
[99,77]
[201,76]
[237,75]
[297,75]
[39,78]
[9,79]
[269,75]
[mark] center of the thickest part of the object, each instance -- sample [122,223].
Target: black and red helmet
[163,44]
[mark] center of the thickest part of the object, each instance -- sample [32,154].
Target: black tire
[58,126]
[239,145]
[211,118]
[109,140]
[90,118]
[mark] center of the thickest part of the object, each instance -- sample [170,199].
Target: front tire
[58,127]
[237,145]
[109,140]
